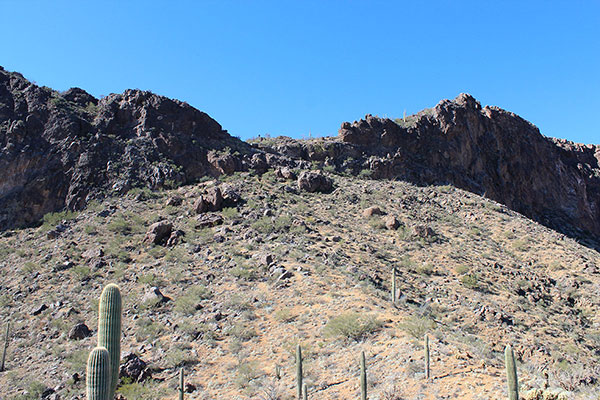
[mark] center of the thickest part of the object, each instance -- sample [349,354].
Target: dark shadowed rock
[313,181]
[79,331]
[134,368]
[158,233]
[208,220]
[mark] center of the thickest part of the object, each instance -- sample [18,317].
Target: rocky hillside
[229,254]
[227,294]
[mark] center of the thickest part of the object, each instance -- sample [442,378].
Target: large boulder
[158,233]
[313,181]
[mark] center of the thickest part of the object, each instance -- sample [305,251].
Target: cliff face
[488,151]
[61,150]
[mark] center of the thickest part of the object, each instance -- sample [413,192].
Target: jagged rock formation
[488,151]
[61,150]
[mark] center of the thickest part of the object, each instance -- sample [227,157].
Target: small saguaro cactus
[109,330]
[511,373]
[394,285]
[299,371]
[6,336]
[427,370]
[305,391]
[181,387]
[277,371]
[363,377]
[98,375]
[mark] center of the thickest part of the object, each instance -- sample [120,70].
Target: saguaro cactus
[6,336]
[181,387]
[394,285]
[109,330]
[363,377]
[299,371]
[305,391]
[98,375]
[511,373]
[427,370]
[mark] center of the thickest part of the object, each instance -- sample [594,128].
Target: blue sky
[294,68]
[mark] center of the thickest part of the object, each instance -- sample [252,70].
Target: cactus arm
[98,375]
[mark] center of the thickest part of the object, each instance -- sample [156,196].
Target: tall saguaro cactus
[5,348]
[98,375]
[394,285]
[299,371]
[511,373]
[109,330]
[427,369]
[181,384]
[363,377]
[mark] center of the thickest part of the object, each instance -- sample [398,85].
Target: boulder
[158,233]
[313,181]
[371,211]
[79,331]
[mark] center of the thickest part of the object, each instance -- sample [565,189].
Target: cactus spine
[511,373]
[181,384]
[363,377]
[299,371]
[305,391]
[394,285]
[98,375]
[109,330]
[6,335]
[427,370]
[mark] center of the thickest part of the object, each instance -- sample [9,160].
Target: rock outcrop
[488,151]
[59,150]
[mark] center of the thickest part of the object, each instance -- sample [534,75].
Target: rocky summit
[461,223]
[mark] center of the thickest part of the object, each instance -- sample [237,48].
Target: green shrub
[470,280]
[351,326]
[417,326]
[188,303]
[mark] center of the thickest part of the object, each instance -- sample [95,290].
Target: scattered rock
[158,233]
[134,368]
[424,231]
[371,211]
[174,201]
[391,222]
[189,388]
[63,266]
[154,296]
[39,309]
[94,252]
[208,220]
[313,181]
[285,173]
[79,331]
[212,200]
[175,238]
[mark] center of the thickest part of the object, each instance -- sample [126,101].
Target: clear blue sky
[290,68]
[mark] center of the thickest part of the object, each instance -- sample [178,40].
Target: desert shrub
[417,326]
[188,303]
[470,281]
[351,326]
[141,391]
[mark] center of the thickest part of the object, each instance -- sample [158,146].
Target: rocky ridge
[61,150]
[488,151]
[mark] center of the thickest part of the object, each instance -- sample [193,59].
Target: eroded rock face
[61,150]
[486,150]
